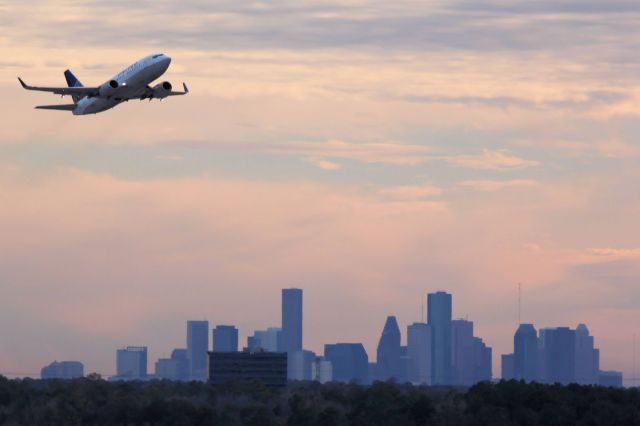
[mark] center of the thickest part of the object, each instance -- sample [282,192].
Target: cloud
[576,102]
[387,153]
[616,148]
[325,164]
[496,185]
[498,160]
[546,7]
[399,154]
[495,26]
[611,279]
[614,253]
[409,192]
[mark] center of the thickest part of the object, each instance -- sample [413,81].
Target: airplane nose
[166,60]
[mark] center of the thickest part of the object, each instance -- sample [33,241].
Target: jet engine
[109,88]
[162,90]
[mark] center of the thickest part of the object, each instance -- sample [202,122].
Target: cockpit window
[156,56]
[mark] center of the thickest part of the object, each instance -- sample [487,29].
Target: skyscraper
[225,338]
[388,354]
[525,353]
[558,351]
[586,358]
[291,319]
[462,353]
[439,318]
[131,363]
[419,353]
[349,362]
[403,374]
[482,357]
[197,346]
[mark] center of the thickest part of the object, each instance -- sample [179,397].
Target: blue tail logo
[72,81]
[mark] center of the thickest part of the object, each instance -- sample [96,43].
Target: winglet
[186,89]
[24,85]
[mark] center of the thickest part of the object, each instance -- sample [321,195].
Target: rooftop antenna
[634,378]
[422,312]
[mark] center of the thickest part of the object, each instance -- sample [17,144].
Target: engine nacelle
[162,90]
[109,88]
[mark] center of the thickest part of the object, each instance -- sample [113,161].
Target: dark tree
[97,402]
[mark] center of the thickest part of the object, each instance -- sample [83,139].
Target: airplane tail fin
[72,81]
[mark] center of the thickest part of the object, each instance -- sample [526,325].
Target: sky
[369,152]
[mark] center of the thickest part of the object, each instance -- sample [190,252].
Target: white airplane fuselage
[133,82]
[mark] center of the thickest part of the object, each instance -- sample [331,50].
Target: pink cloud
[325,164]
[410,192]
[610,252]
[388,153]
[496,185]
[491,160]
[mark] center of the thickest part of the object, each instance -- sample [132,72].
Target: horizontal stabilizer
[174,93]
[69,107]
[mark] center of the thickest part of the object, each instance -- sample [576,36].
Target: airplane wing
[69,107]
[62,90]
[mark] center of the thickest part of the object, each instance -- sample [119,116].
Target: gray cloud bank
[476,26]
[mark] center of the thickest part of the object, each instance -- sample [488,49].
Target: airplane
[131,83]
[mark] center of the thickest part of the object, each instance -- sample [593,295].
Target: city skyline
[367,152]
[557,354]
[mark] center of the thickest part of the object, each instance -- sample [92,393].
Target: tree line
[92,401]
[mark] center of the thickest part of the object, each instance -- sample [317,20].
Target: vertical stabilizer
[72,81]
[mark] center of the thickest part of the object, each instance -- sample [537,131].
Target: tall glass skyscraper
[419,353]
[225,338]
[463,370]
[388,354]
[291,319]
[197,347]
[439,318]
[558,350]
[525,353]
[482,357]
[587,362]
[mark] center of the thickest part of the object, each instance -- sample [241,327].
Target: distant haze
[367,152]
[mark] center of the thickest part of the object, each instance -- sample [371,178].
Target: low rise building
[267,367]
[63,370]
[610,379]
